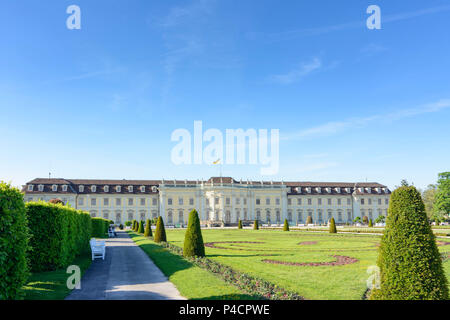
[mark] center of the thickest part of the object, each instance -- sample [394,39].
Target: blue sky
[351,104]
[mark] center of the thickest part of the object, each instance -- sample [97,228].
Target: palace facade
[219,199]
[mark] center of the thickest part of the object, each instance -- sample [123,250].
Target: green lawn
[312,282]
[192,281]
[51,285]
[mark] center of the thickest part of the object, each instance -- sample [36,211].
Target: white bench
[97,248]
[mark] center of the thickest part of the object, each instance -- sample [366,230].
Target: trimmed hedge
[240,224]
[58,235]
[409,260]
[256,225]
[286,225]
[193,240]
[99,227]
[141,227]
[332,226]
[14,237]
[148,228]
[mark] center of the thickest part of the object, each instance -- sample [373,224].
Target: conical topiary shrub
[256,225]
[160,232]
[134,225]
[370,223]
[148,229]
[332,226]
[240,224]
[409,260]
[309,220]
[286,225]
[141,227]
[193,240]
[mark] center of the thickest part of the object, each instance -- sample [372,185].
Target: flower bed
[340,261]
[244,282]
[213,244]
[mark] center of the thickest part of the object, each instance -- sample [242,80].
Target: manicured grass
[192,281]
[312,282]
[51,285]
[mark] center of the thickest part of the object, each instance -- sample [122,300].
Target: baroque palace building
[219,199]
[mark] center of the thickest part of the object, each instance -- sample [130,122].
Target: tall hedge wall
[99,227]
[13,242]
[58,235]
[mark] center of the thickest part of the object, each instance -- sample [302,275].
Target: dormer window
[64,188]
[41,187]
[154,189]
[130,188]
[94,188]
[328,190]
[308,189]
[298,189]
[54,188]
[378,190]
[361,190]
[142,189]
[385,190]
[118,189]
[106,188]
[81,188]
[338,190]
[348,190]
[319,189]
[369,190]
[30,187]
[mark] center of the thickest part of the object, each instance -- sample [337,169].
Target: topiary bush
[409,260]
[309,220]
[148,229]
[160,232]
[240,224]
[14,243]
[256,225]
[141,227]
[193,240]
[332,226]
[370,223]
[128,223]
[58,235]
[121,226]
[99,227]
[286,225]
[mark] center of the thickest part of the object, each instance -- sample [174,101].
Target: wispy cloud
[298,73]
[181,14]
[290,34]
[332,128]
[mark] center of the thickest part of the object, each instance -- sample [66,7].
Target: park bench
[97,248]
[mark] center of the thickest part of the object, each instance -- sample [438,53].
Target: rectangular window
[329,202]
[142,201]
[267,201]
[348,201]
[245,201]
[309,202]
[130,201]
[80,201]
[154,201]
[386,201]
[118,202]
[169,201]
[105,201]
[191,201]
[216,200]
[238,200]
[299,201]
[277,201]
[227,200]
[180,201]
[93,202]
[379,201]
[362,201]
[319,201]
[289,202]
[258,202]
[370,201]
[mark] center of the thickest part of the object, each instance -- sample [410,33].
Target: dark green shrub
[99,227]
[240,224]
[256,225]
[286,225]
[370,223]
[193,240]
[332,226]
[14,236]
[148,229]
[309,220]
[128,223]
[409,260]
[121,226]
[133,227]
[160,232]
[141,227]
[58,235]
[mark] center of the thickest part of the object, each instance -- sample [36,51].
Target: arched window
[118,218]
[238,215]
[169,217]
[258,215]
[339,215]
[268,216]
[330,214]
[289,215]
[320,215]
[245,214]
[228,217]
[300,216]
[278,216]
[180,217]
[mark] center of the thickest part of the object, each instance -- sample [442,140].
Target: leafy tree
[404,183]
[380,219]
[357,220]
[256,225]
[286,225]
[442,197]
[160,232]
[148,229]
[428,197]
[409,260]
[193,240]
[332,226]
[240,224]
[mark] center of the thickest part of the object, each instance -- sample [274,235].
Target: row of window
[329,201]
[118,201]
[93,188]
